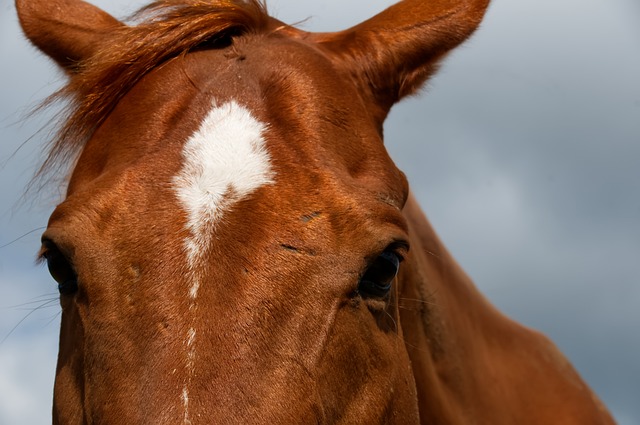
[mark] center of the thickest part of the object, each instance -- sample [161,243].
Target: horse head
[236,245]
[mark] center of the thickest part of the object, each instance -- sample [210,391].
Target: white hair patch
[225,160]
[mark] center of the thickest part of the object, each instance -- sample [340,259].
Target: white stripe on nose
[225,160]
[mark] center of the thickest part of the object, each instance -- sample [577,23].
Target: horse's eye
[60,269]
[377,280]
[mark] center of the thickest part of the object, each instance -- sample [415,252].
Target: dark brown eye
[378,279]
[60,269]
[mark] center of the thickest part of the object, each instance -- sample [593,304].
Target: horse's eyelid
[41,257]
[45,248]
[50,247]
[399,248]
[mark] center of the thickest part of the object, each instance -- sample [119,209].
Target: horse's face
[229,241]
[219,253]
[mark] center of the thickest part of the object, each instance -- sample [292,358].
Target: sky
[524,152]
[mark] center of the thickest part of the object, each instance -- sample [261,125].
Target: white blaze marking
[185,403]
[225,160]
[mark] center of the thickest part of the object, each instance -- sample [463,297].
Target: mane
[165,29]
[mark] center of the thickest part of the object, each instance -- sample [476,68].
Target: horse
[236,245]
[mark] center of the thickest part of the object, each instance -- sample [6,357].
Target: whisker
[408,308]
[42,305]
[49,303]
[54,317]
[403,340]
[395,324]
[432,254]
[40,299]
[23,236]
[417,300]
[415,347]
[402,307]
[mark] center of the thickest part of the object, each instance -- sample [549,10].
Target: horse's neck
[472,364]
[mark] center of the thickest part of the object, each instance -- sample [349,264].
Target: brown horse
[236,246]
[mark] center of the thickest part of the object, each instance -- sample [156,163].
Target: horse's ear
[68,31]
[393,53]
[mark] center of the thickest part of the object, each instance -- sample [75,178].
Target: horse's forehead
[224,161]
[275,74]
[227,123]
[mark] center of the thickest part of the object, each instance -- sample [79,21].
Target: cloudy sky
[524,152]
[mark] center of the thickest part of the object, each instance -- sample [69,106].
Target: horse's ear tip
[22,7]
[396,64]
[68,31]
[28,17]
[29,9]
